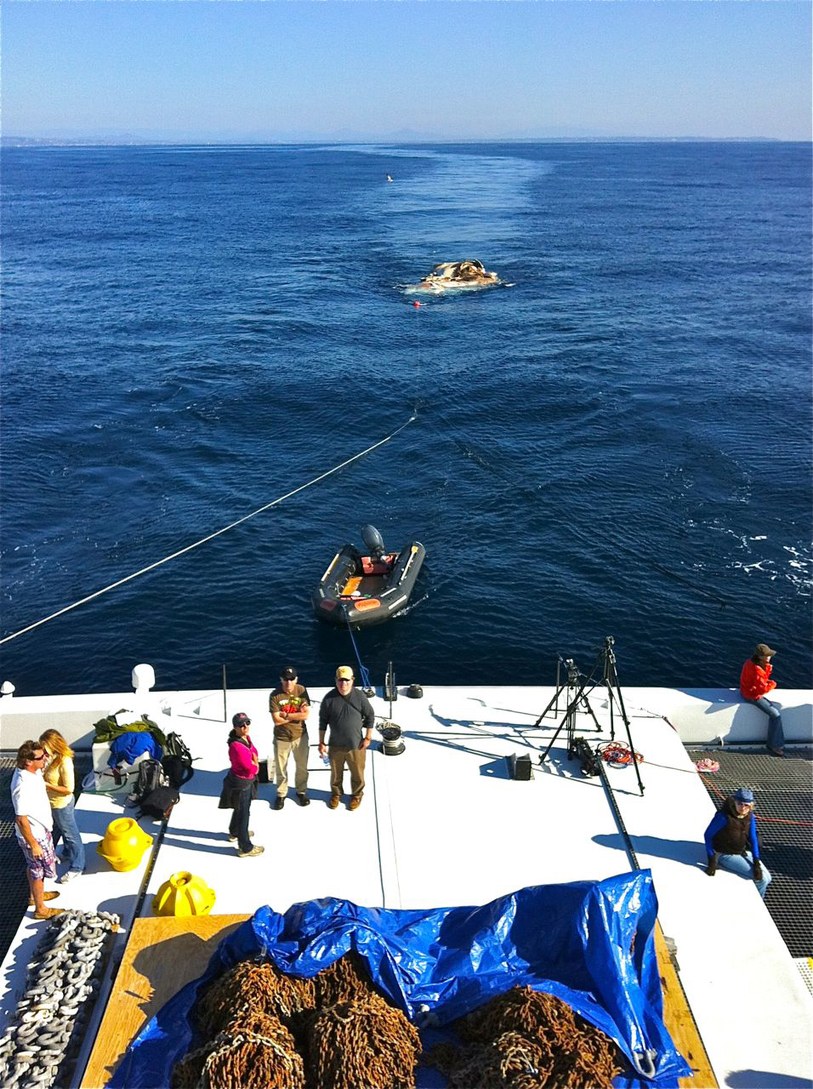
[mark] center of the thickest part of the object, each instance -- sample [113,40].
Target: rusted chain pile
[524,1039]
[267,1030]
[251,988]
[354,1045]
[240,1059]
[344,980]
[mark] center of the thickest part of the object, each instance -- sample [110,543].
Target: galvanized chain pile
[524,1039]
[272,1031]
[39,1048]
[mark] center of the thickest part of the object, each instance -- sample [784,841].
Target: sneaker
[279,802]
[69,876]
[233,839]
[354,803]
[303,799]
[255,850]
[333,803]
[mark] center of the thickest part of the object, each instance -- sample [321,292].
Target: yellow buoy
[183,894]
[124,844]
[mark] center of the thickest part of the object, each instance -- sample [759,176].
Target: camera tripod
[577,696]
[575,699]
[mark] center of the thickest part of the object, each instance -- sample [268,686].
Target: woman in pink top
[240,785]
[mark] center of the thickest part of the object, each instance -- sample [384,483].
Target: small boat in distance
[365,589]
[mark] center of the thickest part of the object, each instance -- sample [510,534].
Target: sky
[347,70]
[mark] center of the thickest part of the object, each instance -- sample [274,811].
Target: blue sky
[384,69]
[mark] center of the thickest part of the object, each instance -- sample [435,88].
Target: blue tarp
[589,943]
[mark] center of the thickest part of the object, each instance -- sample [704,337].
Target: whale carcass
[456,276]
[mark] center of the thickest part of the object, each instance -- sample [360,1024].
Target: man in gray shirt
[351,718]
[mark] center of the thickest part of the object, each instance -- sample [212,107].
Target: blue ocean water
[617,444]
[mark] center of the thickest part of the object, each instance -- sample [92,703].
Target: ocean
[616,444]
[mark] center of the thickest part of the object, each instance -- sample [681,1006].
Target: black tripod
[575,684]
[609,680]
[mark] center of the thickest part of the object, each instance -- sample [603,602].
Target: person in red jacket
[755,684]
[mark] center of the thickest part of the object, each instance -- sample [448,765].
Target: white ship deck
[443,824]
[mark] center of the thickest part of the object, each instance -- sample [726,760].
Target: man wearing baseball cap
[350,716]
[290,706]
[732,842]
[755,684]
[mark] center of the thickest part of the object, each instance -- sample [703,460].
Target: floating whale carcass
[456,276]
[363,589]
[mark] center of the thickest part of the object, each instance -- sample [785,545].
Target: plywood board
[161,957]
[679,1020]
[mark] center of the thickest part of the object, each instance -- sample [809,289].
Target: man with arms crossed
[290,706]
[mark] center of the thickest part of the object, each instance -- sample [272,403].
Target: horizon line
[123,141]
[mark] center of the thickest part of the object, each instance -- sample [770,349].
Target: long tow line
[209,537]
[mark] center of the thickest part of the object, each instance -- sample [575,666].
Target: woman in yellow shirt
[60,782]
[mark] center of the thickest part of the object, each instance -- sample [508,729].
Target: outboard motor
[374,542]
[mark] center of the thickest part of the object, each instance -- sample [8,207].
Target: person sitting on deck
[732,842]
[755,684]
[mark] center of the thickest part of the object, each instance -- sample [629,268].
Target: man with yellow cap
[350,717]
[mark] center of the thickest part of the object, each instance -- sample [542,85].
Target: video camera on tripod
[578,687]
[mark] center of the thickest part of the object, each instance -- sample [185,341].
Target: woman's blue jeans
[776,735]
[744,866]
[73,850]
[238,826]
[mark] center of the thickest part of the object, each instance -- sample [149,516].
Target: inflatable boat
[363,589]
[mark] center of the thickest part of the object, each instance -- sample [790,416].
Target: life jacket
[733,837]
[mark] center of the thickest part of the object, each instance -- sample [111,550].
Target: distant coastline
[135,141]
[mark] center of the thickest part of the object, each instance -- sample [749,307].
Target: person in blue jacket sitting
[732,842]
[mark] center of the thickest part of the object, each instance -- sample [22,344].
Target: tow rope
[363,673]
[210,537]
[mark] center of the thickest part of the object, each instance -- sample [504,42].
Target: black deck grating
[784,809]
